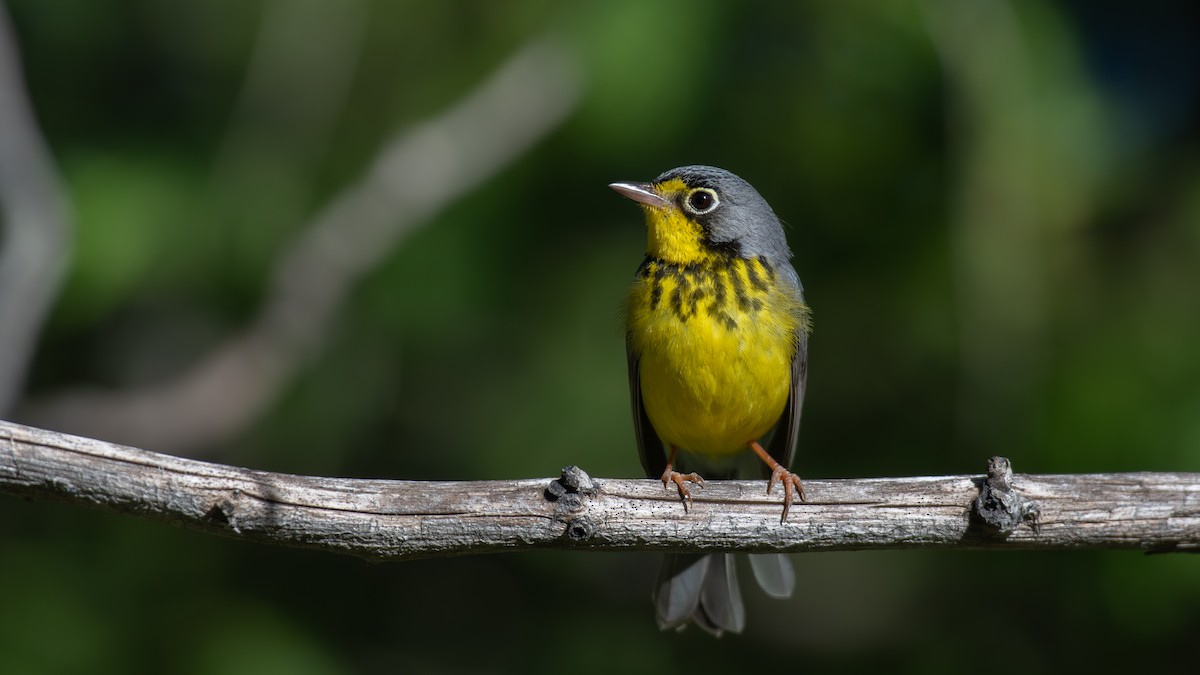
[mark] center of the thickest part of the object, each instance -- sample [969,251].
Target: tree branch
[388,519]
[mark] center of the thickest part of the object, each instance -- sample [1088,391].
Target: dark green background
[995,209]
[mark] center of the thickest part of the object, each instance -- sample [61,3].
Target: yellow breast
[715,341]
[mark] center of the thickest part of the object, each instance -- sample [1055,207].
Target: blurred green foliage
[1002,249]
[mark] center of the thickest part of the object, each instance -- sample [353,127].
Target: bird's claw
[789,481]
[680,480]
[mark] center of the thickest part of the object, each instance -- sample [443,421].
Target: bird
[716,334]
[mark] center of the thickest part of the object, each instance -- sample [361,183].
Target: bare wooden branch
[387,519]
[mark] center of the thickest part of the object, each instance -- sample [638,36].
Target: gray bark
[394,519]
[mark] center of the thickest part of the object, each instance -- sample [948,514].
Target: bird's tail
[699,588]
[704,589]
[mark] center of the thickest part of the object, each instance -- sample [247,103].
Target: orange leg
[781,474]
[670,475]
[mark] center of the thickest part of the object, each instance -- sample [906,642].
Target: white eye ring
[701,201]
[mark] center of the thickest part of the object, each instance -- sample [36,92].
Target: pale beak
[642,193]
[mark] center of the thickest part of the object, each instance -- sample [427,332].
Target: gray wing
[783,444]
[650,448]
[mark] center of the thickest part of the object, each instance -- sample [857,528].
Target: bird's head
[697,213]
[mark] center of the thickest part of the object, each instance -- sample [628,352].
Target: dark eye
[702,201]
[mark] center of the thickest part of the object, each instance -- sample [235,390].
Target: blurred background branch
[418,172]
[414,519]
[35,230]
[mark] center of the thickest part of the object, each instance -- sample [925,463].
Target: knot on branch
[580,529]
[999,508]
[223,514]
[567,492]
[573,481]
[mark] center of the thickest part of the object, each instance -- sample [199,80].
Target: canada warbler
[717,339]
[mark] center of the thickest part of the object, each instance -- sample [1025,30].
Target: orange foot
[779,473]
[789,481]
[680,480]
